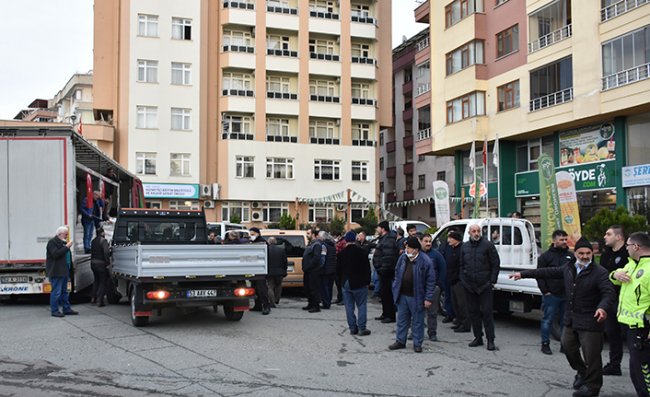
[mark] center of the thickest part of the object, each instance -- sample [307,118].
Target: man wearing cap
[589,296]
[451,253]
[413,288]
[262,301]
[384,260]
[479,270]
[634,308]
[355,278]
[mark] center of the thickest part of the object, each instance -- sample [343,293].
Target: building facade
[570,79]
[246,107]
[406,177]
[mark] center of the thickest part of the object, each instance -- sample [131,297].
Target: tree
[287,222]
[368,223]
[595,228]
[235,219]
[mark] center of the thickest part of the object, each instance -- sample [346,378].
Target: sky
[47,41]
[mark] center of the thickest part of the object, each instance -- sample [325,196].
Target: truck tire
[231,314]
[138,321]
[556,329]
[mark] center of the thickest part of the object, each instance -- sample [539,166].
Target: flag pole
[496,160]
[485,177]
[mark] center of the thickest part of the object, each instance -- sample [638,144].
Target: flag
[80,130]
[495,152]
[485,151]
[89,191]
[472,156]
[102,188]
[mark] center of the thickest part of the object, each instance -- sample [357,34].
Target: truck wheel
[138,321]
[231,314]
[556,329]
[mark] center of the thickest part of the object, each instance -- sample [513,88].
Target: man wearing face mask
[589,296]
[413,288]
[479,270]
[262,301]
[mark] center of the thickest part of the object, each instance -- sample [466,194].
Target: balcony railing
[282,10]
[563,33]
[281,138]
[423,88]
[239,48]
[620,8]
[363,142]
[626,77]
[237,92]
[424,134]
[281,53]
[239,4]
[324,57]
[422,44]
[281,95]
[324,98]
[237,136]
[321,14]
[364,60]
[407,142]
[324,141]
[363,101]
[553,99]
[362,18]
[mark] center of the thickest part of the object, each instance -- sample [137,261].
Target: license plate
[14,279]
[289,269]
[517,306]
[201,293]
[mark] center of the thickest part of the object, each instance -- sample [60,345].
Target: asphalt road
[287,353]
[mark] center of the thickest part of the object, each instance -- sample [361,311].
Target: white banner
[441,197]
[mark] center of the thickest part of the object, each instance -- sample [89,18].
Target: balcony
[423,89]
[409,195]
[282,10]
[363,142]
[281,53]
[408,168]
[391,197]
[408,141]
[324,98]
[422,12]
[407,114]
[620,8]
[239,4]
[407,87]
[561,34]
[553,99]
[626,77]
[364,101]
[239,48]
[390,147]
[391,172]
[281,95]
[424,134]
[237,136]
[282,138]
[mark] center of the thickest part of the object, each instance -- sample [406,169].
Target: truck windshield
[163,232]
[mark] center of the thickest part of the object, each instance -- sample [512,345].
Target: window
[241,210]
[361,90]
[360,53]
[240,84]
[528,153]
[147,71]
[279,168]
[181,73]
[279,45]
[145,163]
[322,131]
[361,133]
[147,117]
[499,2]
[327,170]
[465,56]
[183,206]
[179,164]
[359,170]
[421,181]
[245,166]
[381,163]
[237,40]
[181,29]
[461,9]
[421,158]
[277,127]
[467,106]
[148,25]
[322,88]
[323,49]
[381,138]
[550,24]
[381,187]
[272,212]
[508,96]
[361,13]
[508,41]
[321,214]
[323,9]
[233,124]
[626,53]
[277,84]
[441,176]
[551,84]
[181,119]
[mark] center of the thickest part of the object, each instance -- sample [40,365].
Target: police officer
[634,307]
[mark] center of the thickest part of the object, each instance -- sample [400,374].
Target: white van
[420,227]
[220,229]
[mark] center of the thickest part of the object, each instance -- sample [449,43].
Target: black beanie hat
[583,243]
[413,242]
[384,225]
[455,235]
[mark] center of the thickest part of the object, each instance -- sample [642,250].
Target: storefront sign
[636,175]
[593,176]
[587,145]
[171,190]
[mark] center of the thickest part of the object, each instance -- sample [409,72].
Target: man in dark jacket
[99,261]
[614,256]
[327,268]
[355,277]
[439,267]
[558,255]
[57,264]
[589,297]
[278,264]
[384,260]
[479,271]
[311,262]
[451,253]
[262,300]
[413,288]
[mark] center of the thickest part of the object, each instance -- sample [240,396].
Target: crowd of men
[610,298]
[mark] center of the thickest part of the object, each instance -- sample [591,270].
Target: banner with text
[587,145]
[441,199]
[171,190]
[568,206]
[549,200]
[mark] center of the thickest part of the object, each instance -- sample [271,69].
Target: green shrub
[595,228]
[287,222]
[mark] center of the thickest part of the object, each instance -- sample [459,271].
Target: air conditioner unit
[255,204]
[256,216]
[216,191]
[341,207]
[206,191]
[208,204]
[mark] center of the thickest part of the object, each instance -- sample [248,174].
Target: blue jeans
[326,286]
[359,298]
[89,227]
[552,305]
[59,294]
[375,283]
[410,313]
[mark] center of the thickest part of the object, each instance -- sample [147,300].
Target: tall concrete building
[566,78]
[245,107]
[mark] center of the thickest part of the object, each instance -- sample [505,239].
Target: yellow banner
[569,206]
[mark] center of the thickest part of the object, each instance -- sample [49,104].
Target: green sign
[549,199]
[591,176]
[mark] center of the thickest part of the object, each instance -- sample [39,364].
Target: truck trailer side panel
[4,203]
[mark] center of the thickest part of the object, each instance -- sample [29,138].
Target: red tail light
[158,295]
[244,292]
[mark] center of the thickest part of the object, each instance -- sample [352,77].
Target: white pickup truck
[162,259]
[518,250]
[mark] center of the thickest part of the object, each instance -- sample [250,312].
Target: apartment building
[246,107]
[566,78]
[406,176]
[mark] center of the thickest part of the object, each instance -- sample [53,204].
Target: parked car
[294,242]
[420,227]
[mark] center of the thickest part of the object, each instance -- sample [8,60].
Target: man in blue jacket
[413,289]
[439,269]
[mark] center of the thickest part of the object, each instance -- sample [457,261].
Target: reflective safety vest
[634,300]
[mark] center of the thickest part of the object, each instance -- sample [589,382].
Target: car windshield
[293,245]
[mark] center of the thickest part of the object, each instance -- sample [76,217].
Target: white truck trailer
[44,171]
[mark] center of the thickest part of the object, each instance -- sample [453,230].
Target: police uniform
[634,312]
[612,260]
